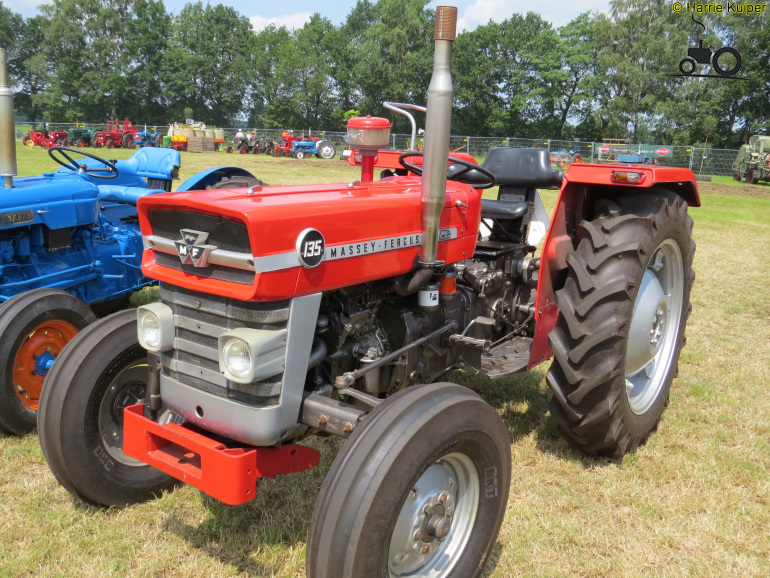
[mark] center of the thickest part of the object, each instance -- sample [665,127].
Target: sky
[472,13]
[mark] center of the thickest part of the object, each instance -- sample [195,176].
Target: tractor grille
[199,320]
[226,235]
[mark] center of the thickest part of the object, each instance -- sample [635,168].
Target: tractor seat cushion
[523,168]
[491,209]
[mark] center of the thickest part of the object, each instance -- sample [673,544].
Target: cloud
[557,12]
[289,21]
[27,8]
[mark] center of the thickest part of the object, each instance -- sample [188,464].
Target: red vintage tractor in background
[46,139]
[119,133]
[334,309]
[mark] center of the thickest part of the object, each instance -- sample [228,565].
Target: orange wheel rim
[35,356]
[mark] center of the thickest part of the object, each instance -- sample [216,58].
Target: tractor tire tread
[595,306]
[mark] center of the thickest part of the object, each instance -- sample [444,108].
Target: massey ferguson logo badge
[191,248]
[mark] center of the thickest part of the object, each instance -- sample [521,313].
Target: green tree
[388,55]
[208,65]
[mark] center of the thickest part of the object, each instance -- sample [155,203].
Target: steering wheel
[454,173]
[110,171]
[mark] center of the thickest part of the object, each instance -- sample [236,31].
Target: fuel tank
[272,243]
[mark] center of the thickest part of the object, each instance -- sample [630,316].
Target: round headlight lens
[237,358]
[150,330]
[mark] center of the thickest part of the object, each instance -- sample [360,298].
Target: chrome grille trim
[244,261]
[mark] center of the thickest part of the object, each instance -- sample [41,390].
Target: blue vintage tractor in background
[323,149]
[70,249]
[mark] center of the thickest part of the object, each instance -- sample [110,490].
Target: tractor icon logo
[729,65]
[701,55]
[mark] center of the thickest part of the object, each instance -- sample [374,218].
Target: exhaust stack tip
[446,23]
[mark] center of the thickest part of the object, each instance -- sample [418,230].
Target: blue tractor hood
[58,202]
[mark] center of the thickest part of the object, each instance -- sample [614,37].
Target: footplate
[509,357]
[225,473]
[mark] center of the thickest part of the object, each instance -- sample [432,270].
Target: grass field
[694,501]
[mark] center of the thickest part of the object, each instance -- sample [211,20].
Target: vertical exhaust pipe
[437,126]
[7,132]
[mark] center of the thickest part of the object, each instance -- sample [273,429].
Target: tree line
[600,76]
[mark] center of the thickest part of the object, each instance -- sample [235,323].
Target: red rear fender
[582,185]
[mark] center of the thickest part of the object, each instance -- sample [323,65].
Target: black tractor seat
[523,168]
[518,172]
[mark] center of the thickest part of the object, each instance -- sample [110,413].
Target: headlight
[150,328]
[237,358]
[155,327]
[250,355]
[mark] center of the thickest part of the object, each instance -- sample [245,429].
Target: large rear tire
[622,317]
[80,421]
[326,150]
[35,326]
[419,489]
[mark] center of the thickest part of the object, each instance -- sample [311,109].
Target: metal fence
[702,160]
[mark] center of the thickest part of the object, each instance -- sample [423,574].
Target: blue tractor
[70,249]
[323,149]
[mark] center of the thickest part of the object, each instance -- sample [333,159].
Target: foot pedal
[507,358]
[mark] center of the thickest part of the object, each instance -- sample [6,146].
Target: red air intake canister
[368,134]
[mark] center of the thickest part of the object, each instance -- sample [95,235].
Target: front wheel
[419,489]
[80,421]
[35,325]
[621,324]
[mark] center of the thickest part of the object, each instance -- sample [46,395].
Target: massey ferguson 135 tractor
[69,243]
[331,309]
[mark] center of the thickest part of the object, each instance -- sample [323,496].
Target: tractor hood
[57,202]
[269,243]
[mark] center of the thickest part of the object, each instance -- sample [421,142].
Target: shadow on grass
[522,400]
[267,536]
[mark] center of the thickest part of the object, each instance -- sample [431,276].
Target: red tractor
[119,133]
[50,139]
[284,145]
[333,309]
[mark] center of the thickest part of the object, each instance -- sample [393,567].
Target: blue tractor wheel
[36,326]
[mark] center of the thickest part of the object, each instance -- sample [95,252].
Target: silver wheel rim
[436,520]
[127,388]
[654,332]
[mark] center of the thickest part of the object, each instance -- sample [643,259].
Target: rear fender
[582,185]
[209,177]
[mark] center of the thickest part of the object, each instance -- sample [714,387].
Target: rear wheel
[622,317]
[35,326]
[326,150]
[419,489]
[81,415]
